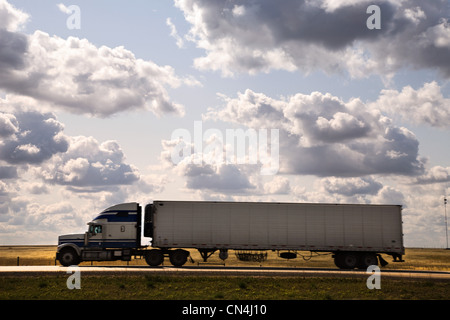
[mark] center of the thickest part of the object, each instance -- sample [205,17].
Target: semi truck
[355,234]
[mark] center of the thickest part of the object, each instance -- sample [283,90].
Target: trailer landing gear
[397,257]
[206,253]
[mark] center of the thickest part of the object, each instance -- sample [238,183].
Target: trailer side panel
[278,226]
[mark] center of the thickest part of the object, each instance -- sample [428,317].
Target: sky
[105,102]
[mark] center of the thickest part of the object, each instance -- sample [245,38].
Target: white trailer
[355,234]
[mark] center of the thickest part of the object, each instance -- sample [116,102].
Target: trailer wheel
[68,257]
[154,258]
[367,259]
[338,257]
[346,260]
[178,257]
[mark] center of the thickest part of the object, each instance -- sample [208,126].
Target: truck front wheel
[68,257]
[154,258]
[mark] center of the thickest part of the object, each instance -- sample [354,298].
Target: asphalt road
[223,271]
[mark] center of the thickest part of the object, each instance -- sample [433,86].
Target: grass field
[173,287]
[176,287]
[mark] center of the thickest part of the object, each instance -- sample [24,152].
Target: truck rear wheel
[367,259]
[178,257]
[68,257]
[346,260]
[154,258]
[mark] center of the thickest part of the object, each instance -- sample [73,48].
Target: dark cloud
[393,152]
[222,178]
[38,189]
[7,172]
[257,36]
[398,153]
[36,138]
[304,21]
[13,47]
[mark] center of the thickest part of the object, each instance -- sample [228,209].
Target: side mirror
[90,230]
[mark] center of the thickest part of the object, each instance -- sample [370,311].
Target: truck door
[96,235]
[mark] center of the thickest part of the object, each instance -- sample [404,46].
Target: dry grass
[415,259]
[27,255]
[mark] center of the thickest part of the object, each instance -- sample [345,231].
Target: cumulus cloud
[436,174]
[351,186]
[8,124]
[88,163]
[390,195]
[206,169]
[77,76]
[258,36]
[31,137]
[425,105]
[38,188]
[278,185]
[11,19]
[36,142]
[324,136]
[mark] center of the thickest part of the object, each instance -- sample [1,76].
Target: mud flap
[383,262]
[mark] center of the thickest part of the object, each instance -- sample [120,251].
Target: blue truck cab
[115,234]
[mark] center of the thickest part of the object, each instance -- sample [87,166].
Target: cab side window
[95,229]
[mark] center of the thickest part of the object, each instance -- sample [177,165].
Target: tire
[154,258]
[338,260]
[68,257]
[178,257]
[346,260]
[367,259]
